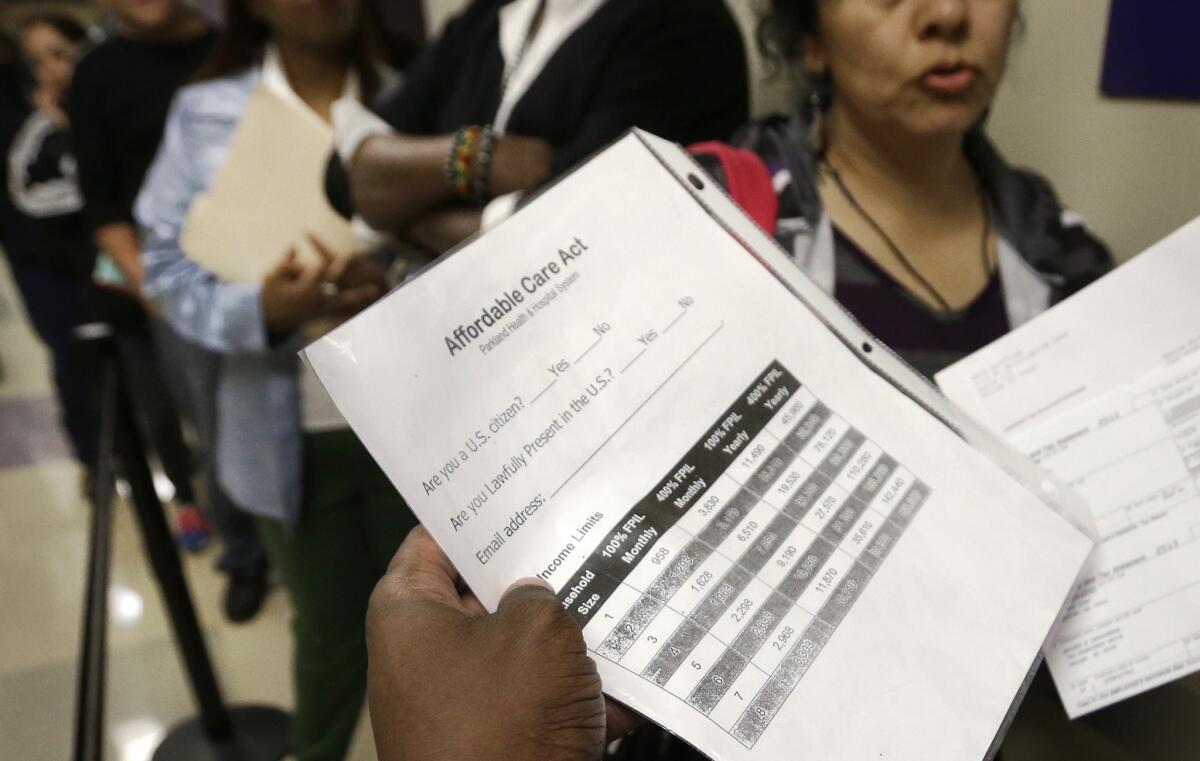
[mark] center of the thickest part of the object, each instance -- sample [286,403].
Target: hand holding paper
[769,544]
[294,294]
[440,665]
[352,281]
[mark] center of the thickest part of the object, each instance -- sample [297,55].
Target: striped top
[928,339]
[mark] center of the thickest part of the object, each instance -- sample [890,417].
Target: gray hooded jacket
[1045,252]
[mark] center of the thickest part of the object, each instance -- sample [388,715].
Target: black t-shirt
[676,68]
[118,105]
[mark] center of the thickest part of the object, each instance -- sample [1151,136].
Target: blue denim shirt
[258,398]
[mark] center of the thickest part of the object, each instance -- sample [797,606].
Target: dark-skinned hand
[449,682]
[294,293]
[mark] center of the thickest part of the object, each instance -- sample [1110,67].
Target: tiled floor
[43,546]
[43,537]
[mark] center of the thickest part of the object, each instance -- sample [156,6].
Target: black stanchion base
[261,733]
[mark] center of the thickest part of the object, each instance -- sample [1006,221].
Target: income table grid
[724,583]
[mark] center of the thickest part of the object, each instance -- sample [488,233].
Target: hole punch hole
[867,348]
[697,183]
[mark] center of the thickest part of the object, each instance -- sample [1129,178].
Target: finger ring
[329,289]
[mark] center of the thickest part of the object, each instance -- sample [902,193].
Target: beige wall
[1132,168]
[437,11]
[770,87]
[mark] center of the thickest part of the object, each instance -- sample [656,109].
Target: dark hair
[240,44]
[64,24]
[783,27]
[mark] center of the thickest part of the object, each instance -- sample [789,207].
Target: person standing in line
[891,196]
[514,93]
[48,248]
[329,517]
[118,107]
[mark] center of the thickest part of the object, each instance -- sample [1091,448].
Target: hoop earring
[819,96]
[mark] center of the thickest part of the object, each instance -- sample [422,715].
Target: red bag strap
[747,180]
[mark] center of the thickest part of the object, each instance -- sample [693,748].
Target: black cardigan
[676,68]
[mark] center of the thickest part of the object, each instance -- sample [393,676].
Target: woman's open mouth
[948,79]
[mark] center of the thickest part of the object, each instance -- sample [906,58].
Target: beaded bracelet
[482,185]
[460,163]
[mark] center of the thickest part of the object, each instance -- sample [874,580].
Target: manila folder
[267,195]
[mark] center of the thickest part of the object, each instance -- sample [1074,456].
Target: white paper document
[1086,391]
[771,548]
[1142,316]
[1134,456]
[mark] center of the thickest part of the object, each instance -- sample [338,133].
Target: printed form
[768,545]
[1142,316]
[1134,456]
[1104,391]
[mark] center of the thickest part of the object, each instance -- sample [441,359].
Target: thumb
[530,609]
[524,591]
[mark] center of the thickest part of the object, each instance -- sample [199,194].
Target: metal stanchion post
[89,702]
[219,733]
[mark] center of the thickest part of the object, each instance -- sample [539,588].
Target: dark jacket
[676,68]
[1053,241]
[43,187]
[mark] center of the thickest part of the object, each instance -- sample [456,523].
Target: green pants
[351,522]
